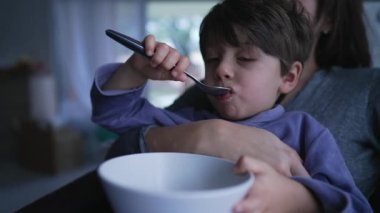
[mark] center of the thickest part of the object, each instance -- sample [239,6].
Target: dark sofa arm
[375,199]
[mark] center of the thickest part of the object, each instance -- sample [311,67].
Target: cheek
[266,90]
[262,81]
[208,76]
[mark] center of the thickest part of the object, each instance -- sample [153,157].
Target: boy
[256,48]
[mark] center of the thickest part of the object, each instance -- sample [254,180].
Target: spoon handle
[127,41]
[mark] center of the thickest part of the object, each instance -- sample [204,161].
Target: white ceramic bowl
[172,182]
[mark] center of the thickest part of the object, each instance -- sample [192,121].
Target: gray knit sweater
[348,103]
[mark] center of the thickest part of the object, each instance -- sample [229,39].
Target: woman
[334,88]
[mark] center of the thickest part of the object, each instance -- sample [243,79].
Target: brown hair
[346,45]
[279,28]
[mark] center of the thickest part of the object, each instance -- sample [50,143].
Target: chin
[231,117]
[231,113]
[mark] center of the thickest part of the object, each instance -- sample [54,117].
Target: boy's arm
[116,94]
[120,110]
[125,78]
[272,191]
[331,182]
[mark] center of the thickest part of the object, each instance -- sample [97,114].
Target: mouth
[225,97]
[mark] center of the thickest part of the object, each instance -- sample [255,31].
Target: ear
[290,79]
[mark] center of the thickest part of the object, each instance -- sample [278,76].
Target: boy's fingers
[180,68]
[248,164]
[171,59]
[246,205]
[161,51]
[149,44]
[166,58]
[298,170]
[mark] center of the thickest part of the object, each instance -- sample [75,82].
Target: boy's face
[254,77]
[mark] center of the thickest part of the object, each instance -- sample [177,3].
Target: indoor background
[49,51]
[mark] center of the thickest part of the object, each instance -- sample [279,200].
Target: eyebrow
[250,47]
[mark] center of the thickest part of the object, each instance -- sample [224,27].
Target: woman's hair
[278,27]
[346,45]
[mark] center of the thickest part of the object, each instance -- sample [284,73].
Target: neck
[310,67]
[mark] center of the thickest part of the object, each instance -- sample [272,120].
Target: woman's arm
[227,140]
[212,137]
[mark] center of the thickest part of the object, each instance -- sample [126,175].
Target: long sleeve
[330,181]
[120,111]
[346,101]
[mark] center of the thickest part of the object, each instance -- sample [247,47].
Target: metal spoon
[136,46]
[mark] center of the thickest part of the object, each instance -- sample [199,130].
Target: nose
[224,71]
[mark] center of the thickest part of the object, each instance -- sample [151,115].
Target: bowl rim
[241,186]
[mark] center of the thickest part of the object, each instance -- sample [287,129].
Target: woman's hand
[273,192]
[228,140]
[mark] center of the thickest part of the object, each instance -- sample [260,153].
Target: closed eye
[246,59]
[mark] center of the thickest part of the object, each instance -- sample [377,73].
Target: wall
[24,33]
[372,9]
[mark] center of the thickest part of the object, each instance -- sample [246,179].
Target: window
[176,23]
